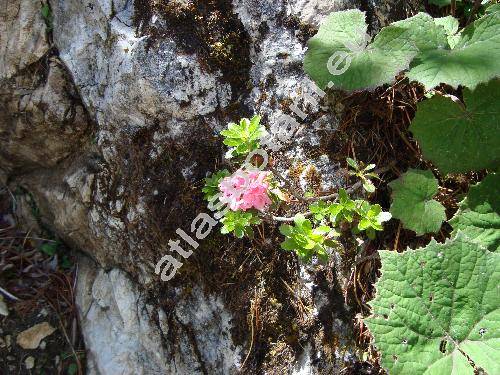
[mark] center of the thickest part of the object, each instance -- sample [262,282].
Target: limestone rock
[22,31]
[127,335]
[314,11]
[43,122]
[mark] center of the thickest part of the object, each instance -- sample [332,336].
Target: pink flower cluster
[245,189]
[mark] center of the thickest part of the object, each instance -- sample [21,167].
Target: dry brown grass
[38,282]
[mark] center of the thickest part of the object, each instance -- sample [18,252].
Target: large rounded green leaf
[434,50]
[474,58]
[458,138]
[412,201]
[479,213]
[343,35]
[435,306]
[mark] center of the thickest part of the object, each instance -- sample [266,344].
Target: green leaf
[343,197]
[286,230]
[47,16]
[353,163]
[243,137]
[366,66]
[372,175]
[450,25]
[321,253]
[45,11]
[374,211]
[458,139]
[239,222]
[323,229]
[412,201]
[305,240]
[368,186]
[299,220]
[433,49]
[254,127]
[474,59]
[211,187]
[335,209]
[371,217]
[289,244]
[320,210]
[493,8]
[231,142]
[72,369]
[66,262]
[479,213]
[434,303]
[364,224]
[49,248]
[239,233]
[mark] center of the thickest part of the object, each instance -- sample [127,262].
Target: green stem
[329,197]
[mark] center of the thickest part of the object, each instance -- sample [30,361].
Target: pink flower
[245,189]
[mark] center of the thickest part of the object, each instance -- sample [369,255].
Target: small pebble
[43,312]
[29,362]
[31,337]
[43,345]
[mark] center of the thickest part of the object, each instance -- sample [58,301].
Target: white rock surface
[126,335]
[4,310]
[122,81]
[314,11]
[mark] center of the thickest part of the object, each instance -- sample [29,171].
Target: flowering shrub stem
[251,194]
[331,197]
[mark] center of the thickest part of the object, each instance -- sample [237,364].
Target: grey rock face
[42,123]
[111,127]
[122,81]
[22,40]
